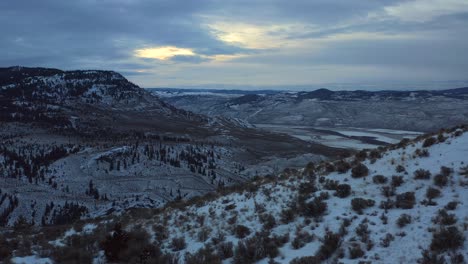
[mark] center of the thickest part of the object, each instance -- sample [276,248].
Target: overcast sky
[245,43]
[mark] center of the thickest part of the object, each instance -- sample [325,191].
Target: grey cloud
[189,59]
[103,34]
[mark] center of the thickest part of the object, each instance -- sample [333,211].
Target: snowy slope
[307,216]
[406,242]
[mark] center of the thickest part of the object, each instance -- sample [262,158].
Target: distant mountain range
[323,93]
[422,110]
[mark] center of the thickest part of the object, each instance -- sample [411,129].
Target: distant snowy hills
[403,110]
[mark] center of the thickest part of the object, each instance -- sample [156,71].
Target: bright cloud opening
[163,53]
[257,36]
[426,10]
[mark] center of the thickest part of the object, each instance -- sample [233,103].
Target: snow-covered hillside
[399,204]
[78,144]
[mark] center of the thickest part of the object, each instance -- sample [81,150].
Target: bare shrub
[422,174]
[429,142]
[225,250]
[306,260]
[268,221]
[404,220]
[421,153]
[429,257]
[178,243]
[400,169]
[379,179]
[446,171]
[302,238]
[397,181]
[359,204]
[331,242]
[330,184]
[343,190]
[355,251]
[432,193]
[405,200]
[360,170]
[451,205]
[342,166]
[255,248]
[241,231]
[287,215]
[440,180]
[387,204]
[314,208]
[388,191]
[444,218]
[447,239]
[385,242]
[203,256]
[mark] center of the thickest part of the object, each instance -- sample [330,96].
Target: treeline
[32,160]
[9,202]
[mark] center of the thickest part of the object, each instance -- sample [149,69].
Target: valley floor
[343,137]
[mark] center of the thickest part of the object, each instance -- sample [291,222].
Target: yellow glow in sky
[258,36]
[163,53]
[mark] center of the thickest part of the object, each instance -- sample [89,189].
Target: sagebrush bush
[132,247]
[404,220]
[306,260]
[268,221]
[388,191]
[447,239]
[307,188]
[445,171]
[385,242]
[444,218]
[440,180]
[72,255]
[379,179]
[429,142]
[7,247]
[330,184]
[451,205]
[359,204]
[342,166]
[355,251]
[362,230]
[361,155]
[314,208]
[375,154]
[405,200]
[287,215]
[400,169]
[241,231]
[432,193]
[360,170]
[397,181]
[178,243]
[302,238]
[421,153]
[256,248]
[387,204]
[331,242]
[422,174]
[202,256]
[429,257]
[343,190]
[115,243]
[225,250]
